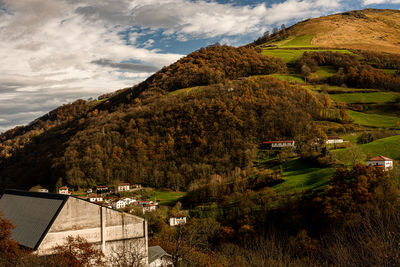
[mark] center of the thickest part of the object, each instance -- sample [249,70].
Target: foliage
[169,141]
[76,252]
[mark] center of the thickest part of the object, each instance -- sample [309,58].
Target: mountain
[206,114]
[369,29]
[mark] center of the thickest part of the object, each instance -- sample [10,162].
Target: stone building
[44,220]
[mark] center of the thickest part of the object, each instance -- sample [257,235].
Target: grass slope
[300,175]
[381,97]
[167,197]
[299,41]
[290,55]
[374,120]
[389,147]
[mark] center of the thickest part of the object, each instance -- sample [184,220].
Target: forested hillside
[144,134]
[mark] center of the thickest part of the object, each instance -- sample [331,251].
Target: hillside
[206,114]
[369,29]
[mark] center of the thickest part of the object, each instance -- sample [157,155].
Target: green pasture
[298,41]
[374,120]
[300,175]
[376,97]
[389,147]
[325,71]
[167,197]
[289,78]
[290,55]
[331,88]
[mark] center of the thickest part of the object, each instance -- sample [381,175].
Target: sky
[54,52]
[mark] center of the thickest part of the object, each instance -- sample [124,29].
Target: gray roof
[31,213]
[156,252]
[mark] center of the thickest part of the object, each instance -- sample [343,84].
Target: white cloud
[371,2]
[57,51]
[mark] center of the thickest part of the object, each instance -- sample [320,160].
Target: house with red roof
[123,187]
[64,190]
[381,162]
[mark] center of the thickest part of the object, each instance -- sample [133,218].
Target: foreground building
[44,220]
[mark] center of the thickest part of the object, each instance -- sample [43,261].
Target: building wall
[387,164]
[106,228]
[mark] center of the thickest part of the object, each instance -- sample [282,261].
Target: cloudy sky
[54,52]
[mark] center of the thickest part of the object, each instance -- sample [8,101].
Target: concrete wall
[108,229]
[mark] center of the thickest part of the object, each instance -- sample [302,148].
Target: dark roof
[156,252]
[31,213]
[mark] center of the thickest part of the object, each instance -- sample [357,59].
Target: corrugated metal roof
[31,213]
[156,252]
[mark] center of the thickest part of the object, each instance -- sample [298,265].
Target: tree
[9,249]
[131,254]
[77,252]
[354,155]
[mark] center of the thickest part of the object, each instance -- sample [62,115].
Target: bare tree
[130,254]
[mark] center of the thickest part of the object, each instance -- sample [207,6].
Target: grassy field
[288,77]
[331,88]
[167,197]
[389,71]
[374,120]
[299,41]
[325,71]
[186,90]
[300,175]
[389,147]
[381,97]
[289,55]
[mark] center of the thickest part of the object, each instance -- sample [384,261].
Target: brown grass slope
[369,29]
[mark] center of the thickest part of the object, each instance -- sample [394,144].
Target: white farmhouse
[64,190]
[120,204]
[381,162]
[334,140]
[149,208]
[173,221]
[95,198]
[123,187]
[129,200]
[278,144]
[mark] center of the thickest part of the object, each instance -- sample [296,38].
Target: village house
[277,144]
[123,187]
[149,208]
[95,198]
[128,200]
[89,191]
[43,221]
[381,162]
[64,190]
[159,258]
[101,188]
[334,140]
[136,186]
[118,204]
[174,221]
[39,188]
